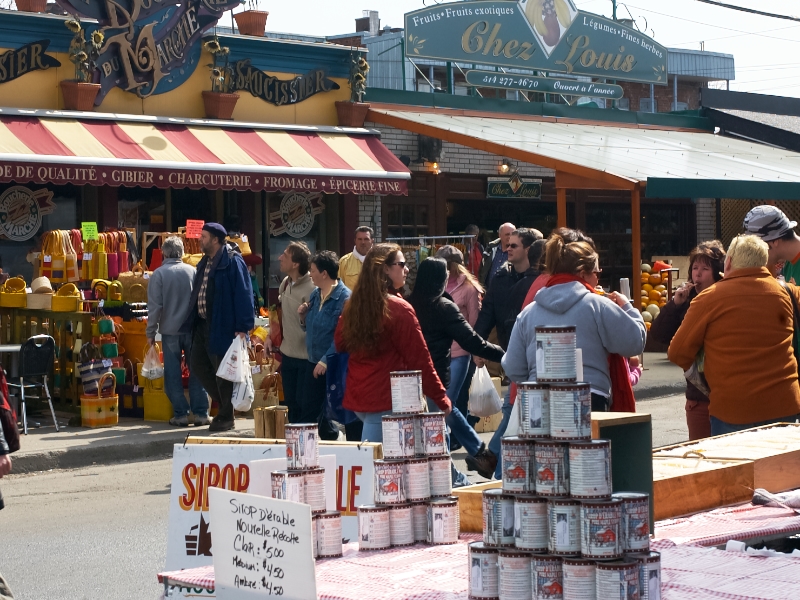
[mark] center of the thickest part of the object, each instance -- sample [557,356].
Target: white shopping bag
[243,392]
[513,422]
[484,401]
[234,361]
[152,367]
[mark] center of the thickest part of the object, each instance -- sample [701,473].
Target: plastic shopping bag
[484,401]
[152,367]
[236,362]
[243,392]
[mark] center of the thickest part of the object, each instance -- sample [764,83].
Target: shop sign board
[514,188]
[542,35]
[30,57]
[21,212]
[276,91]
[296,214]
[194,227]
[572,87]
[150,47]
[89,230]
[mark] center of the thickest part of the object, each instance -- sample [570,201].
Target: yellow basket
[157,406]
[12,293]
[67,298]
[115,291]
[101,411]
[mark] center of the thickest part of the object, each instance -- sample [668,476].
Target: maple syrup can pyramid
[389,487]
[302,448]
[498,518]
[600,529]
[517,465]
[635,521]
[288,485]
[571,411]
[407,396]
[547,576]
[374,530]
[534,410]
[398,436]
[329,534]
[483,572]
[590,469]
[555,354]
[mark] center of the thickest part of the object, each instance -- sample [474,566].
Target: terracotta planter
[35,6]
[79,95]
[251,22]
[219,105]
[352,114]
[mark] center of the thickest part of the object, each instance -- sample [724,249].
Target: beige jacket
[291,296]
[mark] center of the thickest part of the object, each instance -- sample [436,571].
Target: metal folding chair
[36,357]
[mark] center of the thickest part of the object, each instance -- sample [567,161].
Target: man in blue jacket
[221,309]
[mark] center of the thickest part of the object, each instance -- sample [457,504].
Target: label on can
[401,525]
[514,569]
[617,580]
[534,410]
[417,480]
[443,521]
[329,534]
[434,434]
[517,464]
[546,577]
[649,574]
[590,469]
[374,531]
[482,571]
[579,579]
[398,436]
[419,514]
[600,529]
[389,482]
[564,527]
[498,518]
[441,481]
[635,521]
[551,460]
[302,451]
[315,489]
[288,485]
[571,411]
[555,354]
[530,523]
[419,444]
[314,533]
[407,396]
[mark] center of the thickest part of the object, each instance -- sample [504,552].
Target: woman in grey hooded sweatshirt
[605,324]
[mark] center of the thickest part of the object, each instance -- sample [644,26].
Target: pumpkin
[654,280]
[647,287]
[654,296]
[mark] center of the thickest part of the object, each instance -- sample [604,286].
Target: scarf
[621,390]
[360,257]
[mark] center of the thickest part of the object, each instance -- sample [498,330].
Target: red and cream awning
[155,153]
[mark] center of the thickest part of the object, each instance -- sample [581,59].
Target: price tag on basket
[193,228]
[89,230]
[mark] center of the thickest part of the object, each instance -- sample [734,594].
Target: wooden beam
[636,245]
[576,182]
[561,207]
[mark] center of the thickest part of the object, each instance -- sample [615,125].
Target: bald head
[505,230]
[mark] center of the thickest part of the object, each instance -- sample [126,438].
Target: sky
[766,50]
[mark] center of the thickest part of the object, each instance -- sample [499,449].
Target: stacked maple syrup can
[303,481]
[555,530]
[413,485]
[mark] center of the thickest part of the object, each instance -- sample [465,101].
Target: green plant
[358,77]
[84,52]
[221,71]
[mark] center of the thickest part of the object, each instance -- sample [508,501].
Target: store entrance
[489,214]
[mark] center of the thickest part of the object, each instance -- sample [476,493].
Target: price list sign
[261,546]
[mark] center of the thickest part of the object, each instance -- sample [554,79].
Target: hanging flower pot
[35,6]
[352,114]
[251,22]
[79,95]
[219,105]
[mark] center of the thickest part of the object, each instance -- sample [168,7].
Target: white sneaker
[201,421]
[180,421]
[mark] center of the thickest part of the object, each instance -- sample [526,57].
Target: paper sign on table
[262,547]
[89,230]
[193,228]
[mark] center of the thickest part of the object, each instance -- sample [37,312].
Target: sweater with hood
[603,328]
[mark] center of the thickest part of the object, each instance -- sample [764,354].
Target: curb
[659,391]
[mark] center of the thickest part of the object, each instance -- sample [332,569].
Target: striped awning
[162,154]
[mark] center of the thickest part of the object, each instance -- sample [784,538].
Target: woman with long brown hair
[381,333]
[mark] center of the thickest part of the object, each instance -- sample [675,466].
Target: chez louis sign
[151,46]
[27,58]
[545,35]
[276,91]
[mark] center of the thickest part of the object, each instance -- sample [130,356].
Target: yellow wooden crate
[157,406]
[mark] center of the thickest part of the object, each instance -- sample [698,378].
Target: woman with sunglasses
[605,325]
[381,332]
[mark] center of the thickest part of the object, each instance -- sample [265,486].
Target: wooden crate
[777,459]
[704,485]
[470,505]
[270,421]
[489,424]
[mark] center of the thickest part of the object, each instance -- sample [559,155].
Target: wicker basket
[40,301]
[67,299]
[12,293]
[101,410]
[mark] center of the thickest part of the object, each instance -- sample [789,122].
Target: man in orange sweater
[744,322]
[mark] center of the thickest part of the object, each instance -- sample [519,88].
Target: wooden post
[636,245]
[561,207]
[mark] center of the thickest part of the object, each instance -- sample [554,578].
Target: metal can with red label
[517,465]
[302,448]
[407,396]
[534,409]
[288,485]
[571,411]
[483,572]
[401,525]
[649,574]
[514,569]
[600,529]
[374,529]
[444,522]
[329,534]
[314,489]
[419,516]
[498,518]
[434,434]
[617,580]
[441,480]
[389,487]
[590,469]
[564,526]
[579,579]
[398,436]
[547,577]
[635,521]
[551,468]
[530,523]
[555,354]
[417,480]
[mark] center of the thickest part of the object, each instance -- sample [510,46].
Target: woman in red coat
[381,333]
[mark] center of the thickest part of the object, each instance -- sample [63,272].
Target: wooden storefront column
[561,207]
[636,244]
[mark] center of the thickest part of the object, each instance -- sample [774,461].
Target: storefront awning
[670,163]
[172,153]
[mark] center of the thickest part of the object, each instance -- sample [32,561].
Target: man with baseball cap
[774,227]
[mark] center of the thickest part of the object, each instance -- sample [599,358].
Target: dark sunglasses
[402,264]
[513,245]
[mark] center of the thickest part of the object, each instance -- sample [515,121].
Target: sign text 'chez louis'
[150,47]
[543,35]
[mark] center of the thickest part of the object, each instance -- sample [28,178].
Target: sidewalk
[133,439]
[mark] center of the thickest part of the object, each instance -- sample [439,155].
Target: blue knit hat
[217,230]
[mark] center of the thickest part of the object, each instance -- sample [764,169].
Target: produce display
[654,293]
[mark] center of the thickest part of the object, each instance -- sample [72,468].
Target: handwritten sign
[193,228]
[262,547]
[89,230]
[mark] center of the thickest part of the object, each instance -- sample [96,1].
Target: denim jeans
[458,374]
[721,427]
[373,427]
[495,445]
[173,346]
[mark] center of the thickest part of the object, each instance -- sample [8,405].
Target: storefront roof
[83,148]
[671,163]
